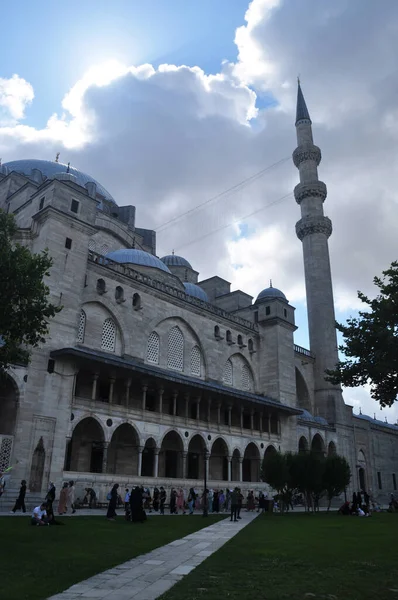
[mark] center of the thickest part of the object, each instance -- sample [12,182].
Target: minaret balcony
[311,189]
[310,225]
[307,152]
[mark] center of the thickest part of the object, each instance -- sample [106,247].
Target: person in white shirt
[39,515]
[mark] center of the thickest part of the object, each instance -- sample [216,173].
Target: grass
[37,562]
[301,556]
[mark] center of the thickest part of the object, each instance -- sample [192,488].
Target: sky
[173,105]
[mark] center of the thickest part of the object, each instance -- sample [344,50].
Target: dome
[172,260]
[52,170]
[137,257]
[269,293]
[191,289]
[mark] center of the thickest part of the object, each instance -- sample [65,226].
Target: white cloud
[15,95]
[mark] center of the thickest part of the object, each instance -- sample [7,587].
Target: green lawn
[301,556]
[37,562]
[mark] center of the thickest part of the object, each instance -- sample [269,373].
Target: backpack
[109,496]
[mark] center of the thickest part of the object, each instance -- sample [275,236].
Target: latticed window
[92,246]
[82,326]
[196,361]
[247,379]
[108,338]
[5,452]
[104,249]
[175,350]
[228,373]
[152,351]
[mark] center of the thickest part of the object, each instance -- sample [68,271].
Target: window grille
[108,338]
[196,361]
[92,246]
[152,351]
[82,326]
[246,380]
[228,373]
[5,452]
[175,353]
[104,249]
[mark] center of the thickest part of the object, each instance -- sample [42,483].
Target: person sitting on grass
[345,509]
[39,515]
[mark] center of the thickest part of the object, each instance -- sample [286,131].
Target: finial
[68,169]
[57,156]
[172,252]
[374,416]
[0,162]
[298,79]
[360,410]
[270,283]
[386,419]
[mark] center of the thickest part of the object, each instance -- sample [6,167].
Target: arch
[148,458]
[246,378]
[361,466]
[240,340]
[251,463]
[235,465]
[317,444]
[9,396]
[228,373]
[361,457]
[81,327]
[101,286]
[270,450]
[170,455]
[196,457]
[303,444]
[332,449]
[119,294]
[153,346]
[242,376]
[123,451]
[217,332]
[196,361]
[250,345]
[218,461]
[98,310]
[302,393]
[175,349]
[86,447]
[37,467]
[108,336]
[228,336]
[136,301]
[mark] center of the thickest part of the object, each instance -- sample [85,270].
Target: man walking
[20,501]
[234,504]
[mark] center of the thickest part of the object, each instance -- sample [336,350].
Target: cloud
[15,95]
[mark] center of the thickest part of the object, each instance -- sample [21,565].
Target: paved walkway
[150,575]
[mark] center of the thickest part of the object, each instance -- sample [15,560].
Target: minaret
[313,230]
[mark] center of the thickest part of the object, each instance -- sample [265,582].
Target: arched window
[119,294]
[101,286]
[246,379]
[250,345]
[152,351]
[227,376]
[104,249]
[196,361]
[92,246]
[229,336]
[108,338]
[136,301]
[175,350]
[217,332]
[82,326]
[240,340]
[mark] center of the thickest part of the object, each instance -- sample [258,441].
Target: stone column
[229,468]
[175,394]
[161,392]
[184,465]
[219,414]
[208,410]
[252,420]
[144,391]
[111,389]
[240,469]
[198,408]
[140,450]
[156,465]
[241,418]
[207,463]
[261,422]
[94,388]
[127,394]
[105,458]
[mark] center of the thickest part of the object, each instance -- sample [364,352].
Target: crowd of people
[44,513]
[360,506]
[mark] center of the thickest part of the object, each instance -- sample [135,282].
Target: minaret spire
[313,230]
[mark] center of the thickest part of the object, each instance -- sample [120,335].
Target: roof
[307,416]
[195,290]
[51,168]
[172,260]
[271,292]
[377,422]
[133,364]
[133,256]
[301,109]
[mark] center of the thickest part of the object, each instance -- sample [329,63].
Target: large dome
[51,168]
[131,256]
[172,260]
[269,293]
[191,289]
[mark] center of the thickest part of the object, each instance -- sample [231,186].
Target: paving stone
[183,570]
[154,562]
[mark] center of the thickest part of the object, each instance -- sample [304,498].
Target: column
[198,408]
[184,465]
[94,388]
[105,457]
[175,394]
[144,391]
[111,389]
[229,468]
[219,414]
[241,418]
[207,461]
[261,422]
[229,416]
[240,469]
[252,420]
[127,393]
[156,465]
[160,397]
[186,406]
[140,449]
[208,409]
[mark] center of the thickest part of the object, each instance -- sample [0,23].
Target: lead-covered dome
[191,289]
[172,260]
[132,256]
[269,293]
[50,169]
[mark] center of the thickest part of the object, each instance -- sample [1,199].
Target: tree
[24,306]
[371,343]
[336,476]
[308,476]
[278,471]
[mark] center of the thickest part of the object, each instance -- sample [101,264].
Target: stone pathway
[150,575]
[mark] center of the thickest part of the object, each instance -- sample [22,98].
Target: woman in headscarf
[181,501]
[191,501]
[63,499]
[173,502]
[111,514]
[155,502]
[138,514]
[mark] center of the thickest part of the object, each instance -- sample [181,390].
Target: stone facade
[139,382]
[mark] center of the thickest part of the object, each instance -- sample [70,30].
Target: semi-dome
[196,291]
[172,260]
[51,170]
[270,292]
[132,256]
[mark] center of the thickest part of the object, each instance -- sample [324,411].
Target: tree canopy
[371,343]
[24,305]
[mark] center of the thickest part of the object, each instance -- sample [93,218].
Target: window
[285,312]
[152,351]
[250,344]
[246,379]
[394,481]
[82,327]
[267,310]
[175,350]
[101,286]
[92,246]
[227,376]
[196,361]
[136,301]
[240,340]
[104,249]
[119,294]
[51,365]
[108,338]
[74,206]
[217,332]
[68,243]
[41,203]
[229,337]
[379,480]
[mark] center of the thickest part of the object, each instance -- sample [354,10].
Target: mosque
[150,375]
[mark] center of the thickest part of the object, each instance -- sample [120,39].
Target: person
[366,498]
[39,515]
[20,501]
[173,502]
[344,509]
[261,503]
[359,499]
[71,496]
[210,500]
[162,498]
[191,501]
[216,502]
[138,514]
[2,484]
[181,501]
[354,503]
[90,497]
[155,502]
[234,504]
[112,496]
[250,502]
[240,502]
[227,505]
[63,499]
[221,499]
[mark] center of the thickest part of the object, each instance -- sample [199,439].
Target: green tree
[278,471]
[336,476]
[24,306]
[308,476]
[371,343]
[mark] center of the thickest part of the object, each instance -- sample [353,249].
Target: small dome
[271,292]
[196,291]
[172,260]
[137,257]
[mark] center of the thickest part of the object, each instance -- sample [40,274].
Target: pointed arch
[332,449]
[123,450]
[218,461]
[235,465]
[251,463]
[148,458]
[196,361]
[303,444]
[317,444]
[175,349]
[37,468]
[153,346]
[170,455]
[81,327]
[196,457]
[228,373]
[108,337]
[86,446]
